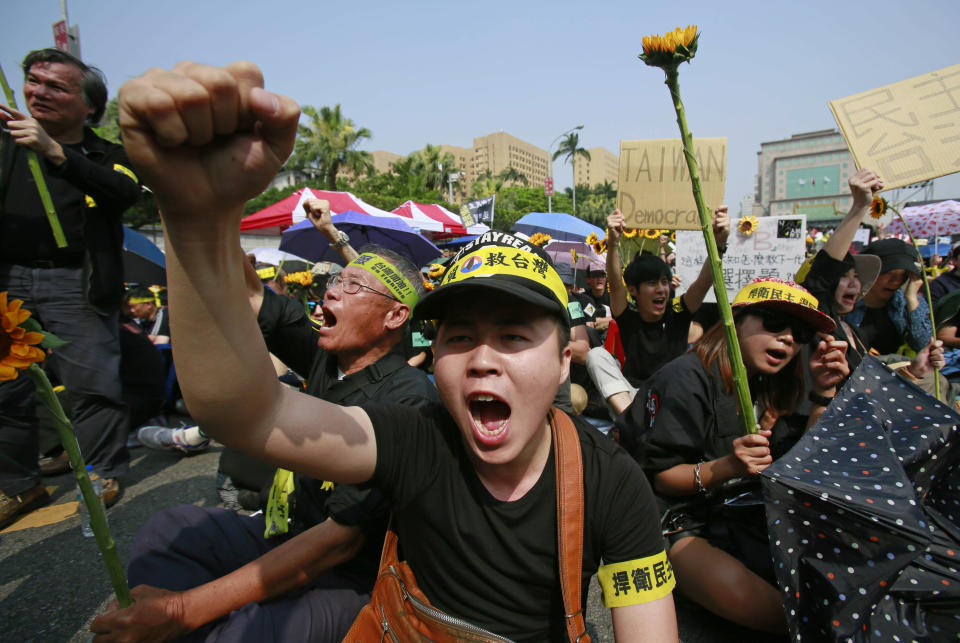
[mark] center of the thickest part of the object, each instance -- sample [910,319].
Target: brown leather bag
[398,611]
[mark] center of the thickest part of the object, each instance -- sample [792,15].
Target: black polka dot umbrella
[864,516]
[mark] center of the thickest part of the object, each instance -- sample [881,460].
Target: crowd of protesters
[372,400]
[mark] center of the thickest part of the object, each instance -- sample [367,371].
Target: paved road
[52,582]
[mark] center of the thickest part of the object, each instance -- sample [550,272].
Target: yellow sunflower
[539,238]
[878,207]
[303,278]
[670,49]
[630,233]
[18,348]
[427,284]
[747,226]
[651,234]
[592,238]
[673,236]
[436,270]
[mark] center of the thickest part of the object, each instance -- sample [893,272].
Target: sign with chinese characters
[548,186]
[908,131]
[776,249]
[654,182]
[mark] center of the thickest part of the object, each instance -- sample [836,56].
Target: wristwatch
[342,239]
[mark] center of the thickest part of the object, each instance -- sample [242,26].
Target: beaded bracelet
[696,477]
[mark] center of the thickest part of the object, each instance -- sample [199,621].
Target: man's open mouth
[490,416]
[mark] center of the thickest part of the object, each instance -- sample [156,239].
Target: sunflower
[539,238]
[303,278]
[651,234]
[18,348]
[436,270]
[592,238]
[630,233]
[673,236]
[878,207]
[670,49]
[428,285]
[747,226]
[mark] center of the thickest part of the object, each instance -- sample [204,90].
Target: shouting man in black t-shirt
[472,480]
[654,330]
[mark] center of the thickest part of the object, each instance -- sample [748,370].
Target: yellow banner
[636,581]
[654,182]
[908,131]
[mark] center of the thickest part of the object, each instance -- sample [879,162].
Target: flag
[481,210]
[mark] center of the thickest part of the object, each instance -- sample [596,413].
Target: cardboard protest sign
[908,131]
[776,249]
[654,182]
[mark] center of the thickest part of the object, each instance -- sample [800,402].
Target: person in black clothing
[655,330]
[75,292]
[468,480]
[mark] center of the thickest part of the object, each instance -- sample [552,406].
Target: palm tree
[569,149]
[435,165]
[486,185]
[327,144]
[511,173]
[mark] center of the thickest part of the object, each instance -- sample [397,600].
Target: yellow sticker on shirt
[126,171]
[90,202]
[636,581]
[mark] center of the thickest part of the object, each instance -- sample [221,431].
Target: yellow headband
[503,260]
[267,273]
[398,285]
[142,300]
[765,291]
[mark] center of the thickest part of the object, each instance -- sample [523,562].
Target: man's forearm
[285,568]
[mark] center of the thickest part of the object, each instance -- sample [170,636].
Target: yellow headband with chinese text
[398,285]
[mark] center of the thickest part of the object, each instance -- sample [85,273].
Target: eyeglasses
[352,286]
[775,321]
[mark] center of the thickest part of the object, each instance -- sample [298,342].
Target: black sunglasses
[775,321]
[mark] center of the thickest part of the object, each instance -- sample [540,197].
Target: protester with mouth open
[655,330]
[471,481]
[692,445]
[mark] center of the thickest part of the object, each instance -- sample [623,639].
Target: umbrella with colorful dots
[863,516]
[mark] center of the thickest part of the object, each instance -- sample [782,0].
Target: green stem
[713,256]
[38,179]
[98,519]
[926,285]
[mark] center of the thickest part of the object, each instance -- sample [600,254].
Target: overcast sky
[445,72]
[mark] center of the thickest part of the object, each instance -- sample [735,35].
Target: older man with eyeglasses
[309,586]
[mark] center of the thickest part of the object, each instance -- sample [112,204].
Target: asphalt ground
[52,581]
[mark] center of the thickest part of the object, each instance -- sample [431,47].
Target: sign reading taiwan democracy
[776,249]
[908,131]
[479,211]
[654,182]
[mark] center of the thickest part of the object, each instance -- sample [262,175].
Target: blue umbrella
[143,261]
[560,226]
[306,241]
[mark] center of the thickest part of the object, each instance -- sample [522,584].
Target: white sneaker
[186,439]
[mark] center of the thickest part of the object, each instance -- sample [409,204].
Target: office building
[603,165]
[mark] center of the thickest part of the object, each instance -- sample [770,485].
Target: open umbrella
[143,262]
[390,232]
[587,257]
[859,511]
[930,220]
[286,260]
[560,226]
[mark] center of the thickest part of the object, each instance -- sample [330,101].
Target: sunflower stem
[38,179]
[740,381]
[98,519]
[926,285]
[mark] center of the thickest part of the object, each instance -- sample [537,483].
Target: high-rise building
[496,152]
[804,174]
[463,160]
[603,165]
[382,160]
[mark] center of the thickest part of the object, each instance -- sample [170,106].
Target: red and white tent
[288,211]
[437,219]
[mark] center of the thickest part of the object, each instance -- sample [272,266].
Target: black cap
[894,254]
[501,262]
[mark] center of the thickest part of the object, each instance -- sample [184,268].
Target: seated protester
[471,481]
[889,317]
[946,314]
[597,301]
[655,330]
[143,306]
[839,279]
[949,280]
[693,445]
[310,586]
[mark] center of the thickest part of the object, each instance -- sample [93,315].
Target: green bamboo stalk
[98,519]
[38,179]
[713,256]
[926,285]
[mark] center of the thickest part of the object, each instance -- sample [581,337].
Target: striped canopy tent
[288,211]
[436,220]
[928,221]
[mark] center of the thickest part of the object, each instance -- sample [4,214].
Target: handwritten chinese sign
[908,131]
[654,182]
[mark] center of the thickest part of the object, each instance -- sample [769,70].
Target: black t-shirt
[650,345]
[490,562]
[878,331]
[594,306]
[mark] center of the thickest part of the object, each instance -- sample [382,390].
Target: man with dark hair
[654,330]
[74,291]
